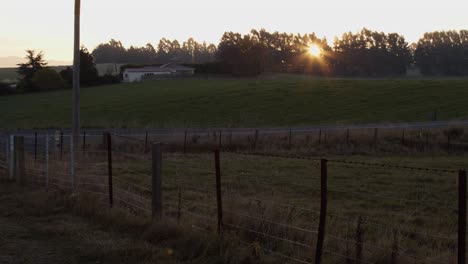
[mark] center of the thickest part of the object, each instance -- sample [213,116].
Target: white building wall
[137,76]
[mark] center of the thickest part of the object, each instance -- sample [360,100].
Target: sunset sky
[48,24]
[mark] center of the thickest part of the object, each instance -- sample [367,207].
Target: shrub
[47,79]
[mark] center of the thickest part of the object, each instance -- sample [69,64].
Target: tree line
[189,51]
[364,53]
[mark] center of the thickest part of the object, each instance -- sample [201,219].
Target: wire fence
[298,208]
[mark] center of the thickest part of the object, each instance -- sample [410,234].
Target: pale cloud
[47,25]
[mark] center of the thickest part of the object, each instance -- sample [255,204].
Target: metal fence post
[323,210]
[35,146]
[320,137]
[84,140]
[61,144]
[220,138]
[156,181]
[109,168]
[255,139]
[72,162]
[146,142]
[185,141]
[347,136]
[290,138]
[219,198]
[359,241]
[47,160]
[19,160]
[376,134]
[12,157]
[7,153]
[461,216]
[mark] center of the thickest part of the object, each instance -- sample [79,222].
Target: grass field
[242,103]
[420,206]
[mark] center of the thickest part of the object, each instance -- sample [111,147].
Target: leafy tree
[443,53]
[48,79]
[88,72]
[35,62]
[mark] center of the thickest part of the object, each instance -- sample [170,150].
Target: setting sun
[315,50]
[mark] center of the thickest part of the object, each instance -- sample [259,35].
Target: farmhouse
[151,73]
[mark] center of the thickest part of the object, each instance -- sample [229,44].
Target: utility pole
[74,139]
[76,75]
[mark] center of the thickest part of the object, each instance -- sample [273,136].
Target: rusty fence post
[109,169]
[156,181]
[461,216]
[219,198]
[323,210]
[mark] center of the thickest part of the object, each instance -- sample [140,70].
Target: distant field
[8,74]
[242,103]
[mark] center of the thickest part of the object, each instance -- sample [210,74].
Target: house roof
[177,67]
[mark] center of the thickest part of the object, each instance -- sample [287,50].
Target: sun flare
[315,50]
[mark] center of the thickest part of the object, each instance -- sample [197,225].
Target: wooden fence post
[109,169]
[35,146]
[323,211]
[359,240]
[461,216]
[19,160]
[219,200]
[156,181]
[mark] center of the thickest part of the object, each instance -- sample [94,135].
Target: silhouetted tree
[35,62]
[88,72]
[443,53]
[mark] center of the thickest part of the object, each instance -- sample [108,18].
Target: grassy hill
[242,103]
